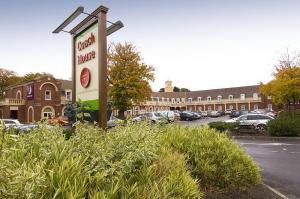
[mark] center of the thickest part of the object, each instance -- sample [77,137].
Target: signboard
[87,66]
[30,92]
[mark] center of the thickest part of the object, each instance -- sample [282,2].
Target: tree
[32,76]
[285,87]
[128,77]
[162,90]
[184,90]
[7,78]
[176,89]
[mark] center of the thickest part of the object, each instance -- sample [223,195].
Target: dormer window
[219,98]
[199,99]
[209,98]
[255,96]
[182,100]
[190,100]
[230,97]
[242,96]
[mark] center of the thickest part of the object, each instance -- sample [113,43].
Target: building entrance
[14,114]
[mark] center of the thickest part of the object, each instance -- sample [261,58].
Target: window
[190,100]
[173,100]
[47,113]
[199,108]
[255,96]
[178,100]
[182,100]
[209,108]
[68,95]
[47,95]
[269,107]
[243,107]
[168,99]
[230,97]
[209,98]
[253,117]
[219,98]
[231,107]
[199,99]
[255,107]
[242,96]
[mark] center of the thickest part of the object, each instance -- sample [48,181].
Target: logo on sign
[30,92]
[85,77]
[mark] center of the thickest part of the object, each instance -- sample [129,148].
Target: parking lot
[205,120]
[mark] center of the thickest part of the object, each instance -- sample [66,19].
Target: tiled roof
[65,84]
[213,93]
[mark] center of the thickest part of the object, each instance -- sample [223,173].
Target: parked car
[177,114]
[196,115]
[156,117]
[139,118]
[10,122]
[215,114]
[256,120]
[187,116]
[203,113]
[112,122]
[222,113]
[228,111]
[170,115]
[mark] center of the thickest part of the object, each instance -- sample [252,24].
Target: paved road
[204,120]
[279,161]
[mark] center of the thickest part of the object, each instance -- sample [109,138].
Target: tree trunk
[294,107]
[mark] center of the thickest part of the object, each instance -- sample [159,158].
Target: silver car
[258,121]
[10,122]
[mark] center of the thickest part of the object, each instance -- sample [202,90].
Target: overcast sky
[199,44]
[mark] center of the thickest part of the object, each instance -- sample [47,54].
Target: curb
[264,137]
[275,191]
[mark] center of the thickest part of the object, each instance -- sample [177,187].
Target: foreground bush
[223,126]
[128,162]
[214,159]
[284,126]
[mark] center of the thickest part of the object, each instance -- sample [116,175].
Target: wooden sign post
[89,59]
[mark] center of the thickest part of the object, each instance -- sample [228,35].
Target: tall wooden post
[102,60]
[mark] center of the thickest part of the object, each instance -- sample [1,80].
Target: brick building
[32,101]
[237,98]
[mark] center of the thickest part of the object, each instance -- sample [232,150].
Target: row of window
[48,95]
[199,99]
[220,108]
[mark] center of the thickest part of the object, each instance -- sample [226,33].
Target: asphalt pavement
[279,160]
[203,121]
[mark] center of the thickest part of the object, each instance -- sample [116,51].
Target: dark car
[234,114]
[187,116]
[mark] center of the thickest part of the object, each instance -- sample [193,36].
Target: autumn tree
[7,78]
[128,77]
[285,87]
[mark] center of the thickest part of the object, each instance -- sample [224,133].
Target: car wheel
[261,127]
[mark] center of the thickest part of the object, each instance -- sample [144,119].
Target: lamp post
[89,58]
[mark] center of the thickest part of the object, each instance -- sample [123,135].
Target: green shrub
[127,162]
[284,126]
[214,159]
[223,126]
